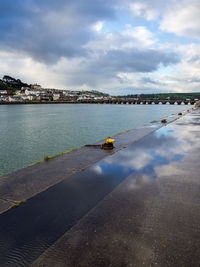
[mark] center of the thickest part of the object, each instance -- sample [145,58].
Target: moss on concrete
[60,154]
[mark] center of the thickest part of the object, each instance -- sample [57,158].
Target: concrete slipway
[139,206]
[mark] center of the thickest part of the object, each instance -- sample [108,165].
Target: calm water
[28,133]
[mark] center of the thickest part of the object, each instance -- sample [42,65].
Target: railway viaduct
[144,102]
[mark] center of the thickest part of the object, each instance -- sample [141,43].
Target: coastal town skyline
[119,47]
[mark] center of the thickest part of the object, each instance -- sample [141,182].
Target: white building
[32,92]
[12,99]
[3,99]
[3,92]
[56,97]
[29,97]
[18,92]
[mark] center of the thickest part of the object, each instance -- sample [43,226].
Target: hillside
[11,84]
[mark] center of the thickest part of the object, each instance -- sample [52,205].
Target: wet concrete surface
[152,217]
[30,181]
[5,204]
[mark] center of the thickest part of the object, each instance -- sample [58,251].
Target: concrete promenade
[152,218]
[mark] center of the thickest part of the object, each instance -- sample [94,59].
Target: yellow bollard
[108,144]
[164,120]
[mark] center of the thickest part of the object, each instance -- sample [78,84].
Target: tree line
[11,84]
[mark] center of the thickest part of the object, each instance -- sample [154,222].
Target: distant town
[15,91]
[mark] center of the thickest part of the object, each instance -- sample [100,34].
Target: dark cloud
[194,80]
[97,71]
[194,59]
[133,60]
[47,30]
[150,81]
[50,30]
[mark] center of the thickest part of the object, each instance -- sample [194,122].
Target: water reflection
[143,158]
[31,228]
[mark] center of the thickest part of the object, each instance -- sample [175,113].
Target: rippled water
[28,133]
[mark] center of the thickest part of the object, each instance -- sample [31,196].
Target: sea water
[28,133]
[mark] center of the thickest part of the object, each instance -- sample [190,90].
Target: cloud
[143,10]
[28,70]
[48,30]
[150,81]
[178,17]
[185,75]
[138,163]
[131,37]
[115,45]
[166,170]
[97,26]
[148,10]
[133,60]
[182,18]
[109,70]
[97,169]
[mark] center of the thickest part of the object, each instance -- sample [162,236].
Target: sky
[118,46]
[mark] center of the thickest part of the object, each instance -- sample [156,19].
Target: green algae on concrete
[35,163]
[60,154]
[52,157]
[19,203]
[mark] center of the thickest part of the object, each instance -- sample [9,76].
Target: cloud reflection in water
[150,157]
